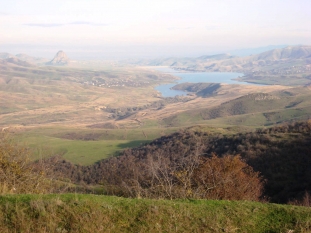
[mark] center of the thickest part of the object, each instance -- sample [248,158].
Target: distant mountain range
[251,51]
[22,59]
[290,52]
[60,59]
[227,62]
[217,62]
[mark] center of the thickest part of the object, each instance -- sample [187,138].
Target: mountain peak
[60,59]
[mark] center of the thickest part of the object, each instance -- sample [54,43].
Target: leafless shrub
[305,201]
[188,176]
[17,173]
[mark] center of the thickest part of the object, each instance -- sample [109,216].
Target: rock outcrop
[60,59]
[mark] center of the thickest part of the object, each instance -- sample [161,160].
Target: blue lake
[195,77]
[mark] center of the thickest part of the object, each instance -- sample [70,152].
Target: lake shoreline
[194,77]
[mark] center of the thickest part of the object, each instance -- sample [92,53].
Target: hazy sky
[131,28]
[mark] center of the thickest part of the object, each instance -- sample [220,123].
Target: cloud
[44,24]
[299,30]
[63,24]
[88,23]
[214,27]
[179,28]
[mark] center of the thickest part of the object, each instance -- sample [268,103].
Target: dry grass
[36,100]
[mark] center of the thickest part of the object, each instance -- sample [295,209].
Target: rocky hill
[60,59]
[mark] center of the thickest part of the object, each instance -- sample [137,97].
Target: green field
[79,152]
[85,146]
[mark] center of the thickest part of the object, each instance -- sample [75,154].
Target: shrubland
[278,159]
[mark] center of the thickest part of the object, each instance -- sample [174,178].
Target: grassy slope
[85,146]
[77,151]
[248,111]
[90,213]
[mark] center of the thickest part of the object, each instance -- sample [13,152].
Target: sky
[148,28]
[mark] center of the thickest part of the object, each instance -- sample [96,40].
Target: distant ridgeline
[291,62]
[60,59]
[281,154]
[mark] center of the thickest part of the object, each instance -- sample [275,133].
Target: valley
[119,105]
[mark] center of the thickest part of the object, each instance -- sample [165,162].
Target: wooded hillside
[281,154]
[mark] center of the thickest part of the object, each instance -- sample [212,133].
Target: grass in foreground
[91,213]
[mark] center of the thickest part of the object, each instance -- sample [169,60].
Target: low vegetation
[17,174]
[90,213]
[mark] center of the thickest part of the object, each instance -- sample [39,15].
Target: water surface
[195,77]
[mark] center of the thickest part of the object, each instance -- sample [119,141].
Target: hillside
[290,52]
[178,61]
[30,59]
[271,57]
[281,154]
[259,108]
[43,94]
[24,57]
[94,213]
[16,61]
[6,55]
